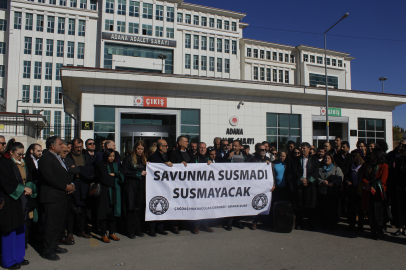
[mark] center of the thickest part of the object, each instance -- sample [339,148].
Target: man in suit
[32,156]
[222,153]
[55,187]
[108,145]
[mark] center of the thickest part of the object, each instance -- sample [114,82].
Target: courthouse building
[147,69]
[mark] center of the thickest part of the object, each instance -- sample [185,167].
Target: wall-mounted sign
[353,133]
[234,131]
[242,140]
[331,111]
[153,102]
[234,120]
[139,39]
[87,125]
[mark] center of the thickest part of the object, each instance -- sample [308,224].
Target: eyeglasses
[91,143]
[297,153]
[3,143]
[20,154]
[262,150]
[165,145]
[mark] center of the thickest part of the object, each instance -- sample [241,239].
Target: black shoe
[162,231]
[152,233]
[398,233]
[175,230]
[50,256]
[298,228]
[16,266]
[140,234]
[25,262]
[131,236]
[239,225]
[373,236]
[350,228]
[60,250]
[229,228]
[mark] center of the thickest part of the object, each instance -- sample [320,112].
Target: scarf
[354,173]
[327,169]
[78,159]
[372,171]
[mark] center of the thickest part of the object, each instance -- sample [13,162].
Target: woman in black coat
[134,167]
[109,206]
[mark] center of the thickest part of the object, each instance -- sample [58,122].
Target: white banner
[201,191]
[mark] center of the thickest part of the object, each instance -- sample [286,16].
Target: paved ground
[238,249]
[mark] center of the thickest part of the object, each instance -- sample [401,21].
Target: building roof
[218,11]
[321,50]
[266,43]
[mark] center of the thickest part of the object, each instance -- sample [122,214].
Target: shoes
[66,242]
[114,237]
[60,250]
[398,233]
[162,231]
[84,235]
[175,230]
[25,262]
[105,239]
[350,228]
[50,256]
[152,233]
[218,226]
[298,228]
[373,236]
[239,225]
[140,234]
[131,236]
[208,229]
[229,226]
[195,230]
[361,229]
[253,226]
[70,238]
[312,228]
[16,266]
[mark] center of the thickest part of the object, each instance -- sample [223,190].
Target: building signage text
[153,102]
[331,111]
[139,39]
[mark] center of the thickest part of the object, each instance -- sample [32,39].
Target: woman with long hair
[109,208]
[134,168]
[14,213]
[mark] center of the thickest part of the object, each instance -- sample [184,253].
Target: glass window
[211,44]
[268,74]
[27,45]
[59,48]
[37,70]
[51,24]
[227,46]
[37,94]
[68,127]
[46,131]
[170,14]
[196,42]
[26,94]
[104,114]
[286,76]
[47,94]
[17,20]
[38,46]
[211,22]
[73,3]
[281,76]
[226,25]
[28,21]
[57,123]
[58,95]
[204,43]
[286,58]
[274,56]
[190,117]
[196,20]
[3,25]
[204,21]
[82,28]
[147,11]
[61,25]
[40,23]
[219,24]
[159,11]
[227,65]
[371,130]
[3,4]
[187,41]
[169,32]
[2,94]
[195,62]
[334,62]
[180,17]
[71,49]
[305,57]
[312,59]
[275,75]
[255,73]
[204,63]
[110,6]
[211,63]
[48,71]
[255,53]
[282,128]
[2,48]
[27,69]
[340,63]
[219,65]
[268,55]
[262,74]
[50,47]
[319,79]
[134,9]
[93,4]
[121,7]
[281,57]
[319,60]
[109,25]
[81,50]
[58,71]
[133,28]
[234,26]
[147,30]
[71,30]
[121,26]
[52,2]
[188,18]
[262,54]
[159,31]
[292,58]
[249,50]
[328,61]
[187,61]
[234,47]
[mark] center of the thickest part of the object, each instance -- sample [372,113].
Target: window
[133,28]
[188,18]
[227,65]
[3,25]
[187,41]
[71,30]
[120,8]
[281,128]
[121,26]
[58,71]
[59,48]
[17,20]
[147,11]
[204,63]
[28,21]
[48,71]
[286,58]
[37,70]
[227,46]
[3,4]
[268,55]
[36,94]
[249,50]
[82,28]
[134,9]
[27,45]
[109,25]
[226,25]
[170,14]
[159,31]
[211,44]
[2,94]
[234,47]
[312,59]
[268,74]
[286,76]
[93,4]
[262,54]
[195,42]
[211,22]
[74,4]
[50,47]
[281,57]
[219,24]
[274,75]
[319,60]
[187,61]
[159,13]
[52,2]
[234,26]
[255,73]
[328,61]
[371,130]
[47,131]
[25,111]
[71,49]
[47,94]
[147,30]
[262,74]
[195,62]
[51,24]
[61,25]
[26,94]
[2,48]
[318,79]
[57,123]
[340,63]
[68,127]
[38,46]
[274,56]
[27,69]
[204,43]
[81,50]
[180,17]
[169,32]
[204,21]
[219,45]
[219,65]
[58,95]
[334,62]
[305,58]
[40,23]
[211,63]
[196,20]
[292,58]
[255,53]
[281,76]
[110,6]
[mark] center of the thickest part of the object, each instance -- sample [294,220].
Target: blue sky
[370,19]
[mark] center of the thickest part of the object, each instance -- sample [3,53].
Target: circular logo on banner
[138,101]
[234,120]
[158,205]
[260,201]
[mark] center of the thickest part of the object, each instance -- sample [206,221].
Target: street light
[163,57]
[325,66]
[27,100]
[383,79]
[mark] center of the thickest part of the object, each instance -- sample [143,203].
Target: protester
[321,152]
[291,145]
[201,155]
[362,146]
[236,155]
[399,187]
[91,148]
[337,146]
[151,150]
[281,191]
[327,147]
[216,143]
[223,151]
[193,148]
[2,144]
[246,150]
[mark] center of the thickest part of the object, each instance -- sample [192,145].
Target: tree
[397,133]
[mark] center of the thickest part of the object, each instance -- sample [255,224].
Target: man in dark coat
[32,156]
[305,172]
[55,187]
[108,145]
[222,153]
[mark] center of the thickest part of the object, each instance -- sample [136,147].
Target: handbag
[94,190]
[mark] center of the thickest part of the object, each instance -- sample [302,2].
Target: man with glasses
[90,148]
[327,147]
[2,144]
[222,153]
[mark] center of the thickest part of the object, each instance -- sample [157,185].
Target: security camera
[242,102]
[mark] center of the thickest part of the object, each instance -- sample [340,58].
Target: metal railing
[20,126]
[64,132]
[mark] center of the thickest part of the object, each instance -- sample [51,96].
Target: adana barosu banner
[201,191]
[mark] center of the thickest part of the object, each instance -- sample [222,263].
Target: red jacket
[383,175]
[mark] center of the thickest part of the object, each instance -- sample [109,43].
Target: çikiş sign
[153,102]
[139,39]
[331,111]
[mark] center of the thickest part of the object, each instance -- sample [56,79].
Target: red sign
[156,102]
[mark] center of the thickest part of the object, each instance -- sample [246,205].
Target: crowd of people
[69,189]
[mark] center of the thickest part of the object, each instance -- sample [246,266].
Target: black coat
[32,172]
[54,179]
[344,164]
[134,184]
[257,158]
[305,197]
[176,156]
[157,158]
[12,215]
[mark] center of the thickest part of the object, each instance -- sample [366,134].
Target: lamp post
[325,67]
[163,57]
[383,79]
